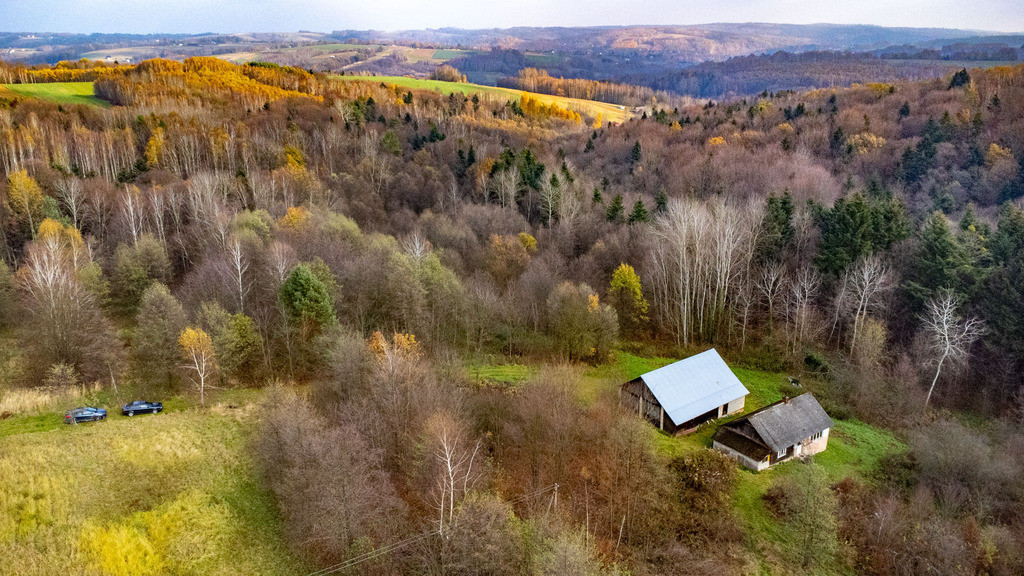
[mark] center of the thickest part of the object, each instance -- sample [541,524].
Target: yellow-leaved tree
[197,351]
[25,198]
[626,295]
[155,148]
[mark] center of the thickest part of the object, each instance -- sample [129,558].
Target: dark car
[85,414]
[141,407]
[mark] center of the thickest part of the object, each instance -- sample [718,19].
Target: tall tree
[158,326]
[939,263]
[616,211]
[199,356]
[26,199]
[625,294]
[950,336]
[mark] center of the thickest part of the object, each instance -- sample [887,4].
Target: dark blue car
[141,407]
[85,414]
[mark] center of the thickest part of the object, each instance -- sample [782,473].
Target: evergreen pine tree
[616,211]
[636,154]
[661,202]
[639,213]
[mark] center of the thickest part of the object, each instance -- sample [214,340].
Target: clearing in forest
[591,108]
[59,92]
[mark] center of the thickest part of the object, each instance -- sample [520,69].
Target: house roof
[690,387]
[786,422]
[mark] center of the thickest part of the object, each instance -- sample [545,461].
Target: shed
[687,393]
[780,431]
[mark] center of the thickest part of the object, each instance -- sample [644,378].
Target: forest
[348,249]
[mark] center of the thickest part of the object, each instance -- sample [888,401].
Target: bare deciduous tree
[506,185]
[869,281]
[132,210]
[695,258]
[455,459]
[239,262]
[72,196]
[802,292]
[771,283]
[950,336]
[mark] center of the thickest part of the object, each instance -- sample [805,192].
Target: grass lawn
[502,374]
[59,92]
[609,112]
[173,493]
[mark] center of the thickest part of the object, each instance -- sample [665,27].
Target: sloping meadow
[169,494]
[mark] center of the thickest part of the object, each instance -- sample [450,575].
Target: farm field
[609,112]
[60,92]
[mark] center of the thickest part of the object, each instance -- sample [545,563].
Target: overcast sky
[144,16]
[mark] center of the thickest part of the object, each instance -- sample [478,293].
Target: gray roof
[690,387]
[785,423]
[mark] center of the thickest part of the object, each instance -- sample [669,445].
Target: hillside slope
[174,493]
[591,108]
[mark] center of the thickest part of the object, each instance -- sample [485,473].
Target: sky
[231,16]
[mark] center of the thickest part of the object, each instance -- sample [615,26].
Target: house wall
[742,458]
[818,445]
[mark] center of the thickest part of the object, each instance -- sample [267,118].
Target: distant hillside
[745,75]
[694,43]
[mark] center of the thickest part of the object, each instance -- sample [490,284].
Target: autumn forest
[416,306]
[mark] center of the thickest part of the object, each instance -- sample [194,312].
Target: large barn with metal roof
[687,393]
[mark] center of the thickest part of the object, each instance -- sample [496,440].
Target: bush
[817,363]
[704,483]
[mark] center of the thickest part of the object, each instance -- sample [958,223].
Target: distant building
[685,394]
[786,429]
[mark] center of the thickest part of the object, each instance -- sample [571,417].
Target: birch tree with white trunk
[949,335]
[870,280]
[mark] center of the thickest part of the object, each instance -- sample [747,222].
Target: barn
[786,429]
[685,394]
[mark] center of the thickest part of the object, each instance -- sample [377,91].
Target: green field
[174,493]
[60,92]
[591,108]
[450,53]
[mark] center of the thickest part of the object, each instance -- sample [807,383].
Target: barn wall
[637,397]
[735,406]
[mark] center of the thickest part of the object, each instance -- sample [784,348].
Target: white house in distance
[786,429]
[685,394]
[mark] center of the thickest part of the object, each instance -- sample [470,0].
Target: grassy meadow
[591,108]
[59,92]
[174,493]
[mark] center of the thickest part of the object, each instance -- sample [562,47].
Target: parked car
[141,407]
[84,414]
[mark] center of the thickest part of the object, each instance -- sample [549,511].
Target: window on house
[817,435]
